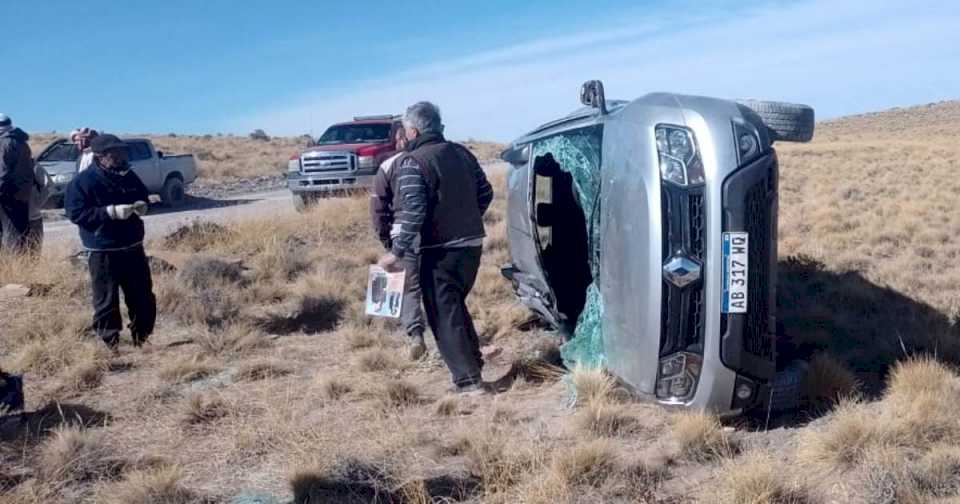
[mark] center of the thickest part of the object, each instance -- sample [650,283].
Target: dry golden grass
[756,478]
[828,381]
[606,418]
[398,394]
[71,455]
[867,279]
[262,370]
[843,441]
[377,360]
[160,485]
[201,409]
[591,385]
[448,406]
[700,437]
[333,389]
[183,371]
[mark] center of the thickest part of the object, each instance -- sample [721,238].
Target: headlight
[63,178]
[366,162]
[293,165]
[678,376]
[680,161]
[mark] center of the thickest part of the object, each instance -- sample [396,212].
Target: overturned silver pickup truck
[646,233]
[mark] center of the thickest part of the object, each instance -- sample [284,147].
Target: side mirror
[591,95]
[516,156]
[159,153]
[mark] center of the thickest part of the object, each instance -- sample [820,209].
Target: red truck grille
[322,162]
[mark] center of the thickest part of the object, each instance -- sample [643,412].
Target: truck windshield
[355,133]
[61,152]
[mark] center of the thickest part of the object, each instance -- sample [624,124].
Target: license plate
[735,271]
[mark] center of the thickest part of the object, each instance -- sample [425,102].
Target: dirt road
[161,221]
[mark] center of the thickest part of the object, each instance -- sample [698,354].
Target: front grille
[748,340]
[313,163]
[756,337]
[697,229]
[683,233]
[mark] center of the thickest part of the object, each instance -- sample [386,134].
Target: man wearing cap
[16,186]
[106,202]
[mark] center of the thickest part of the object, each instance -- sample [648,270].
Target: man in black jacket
[106,203]
[443,194]
[16,186]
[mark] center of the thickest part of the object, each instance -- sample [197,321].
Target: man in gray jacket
[16,186]
[443,194]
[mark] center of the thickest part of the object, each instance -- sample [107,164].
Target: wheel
[788,122]
[785,393]
[304,201]
[173,192]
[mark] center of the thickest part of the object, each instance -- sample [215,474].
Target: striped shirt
[414,201]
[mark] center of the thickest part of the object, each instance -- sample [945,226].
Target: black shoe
[139,340]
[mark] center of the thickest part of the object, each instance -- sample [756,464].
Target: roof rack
[376,117]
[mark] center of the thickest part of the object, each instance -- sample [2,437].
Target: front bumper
[738,352]
[315,182]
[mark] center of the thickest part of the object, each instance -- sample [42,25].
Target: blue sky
[496,68]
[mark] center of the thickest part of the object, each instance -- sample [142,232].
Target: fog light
[748,146]
[678,376]
[744,392]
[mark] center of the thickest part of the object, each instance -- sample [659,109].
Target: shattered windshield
[355,133]
[578,153]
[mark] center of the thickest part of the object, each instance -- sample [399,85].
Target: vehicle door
[526,271]
[144,164]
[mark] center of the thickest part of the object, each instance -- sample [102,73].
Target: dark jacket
[442,195]
[86,202]
[16,166]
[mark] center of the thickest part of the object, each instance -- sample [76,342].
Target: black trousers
[446,277]
[127,271]
[14,225]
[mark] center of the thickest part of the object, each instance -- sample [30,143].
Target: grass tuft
[73,455]
[701,438]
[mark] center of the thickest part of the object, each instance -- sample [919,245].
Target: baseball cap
[103,143]
[5,120]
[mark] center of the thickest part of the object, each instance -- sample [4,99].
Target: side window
[138,151]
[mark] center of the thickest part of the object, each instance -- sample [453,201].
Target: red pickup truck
[346,156]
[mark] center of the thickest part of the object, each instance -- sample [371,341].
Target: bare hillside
[268,383]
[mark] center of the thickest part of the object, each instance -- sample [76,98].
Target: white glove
[120,212]
[140,208]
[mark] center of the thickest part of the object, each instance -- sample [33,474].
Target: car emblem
[681,271]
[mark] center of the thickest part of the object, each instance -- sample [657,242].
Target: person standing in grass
[16,186]
[38,198]
[82,137]
[382,205]
[106,202]
[443,195]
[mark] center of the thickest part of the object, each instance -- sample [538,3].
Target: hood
[58,167]
[15,133]
[341,147]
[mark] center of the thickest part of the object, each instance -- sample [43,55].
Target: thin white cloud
[840,57]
